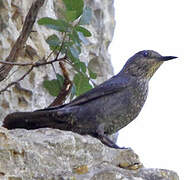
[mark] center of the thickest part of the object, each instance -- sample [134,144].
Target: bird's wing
[110,86]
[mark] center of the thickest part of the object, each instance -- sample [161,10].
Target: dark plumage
[103,110]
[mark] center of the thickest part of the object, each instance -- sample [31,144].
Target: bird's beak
[166,58]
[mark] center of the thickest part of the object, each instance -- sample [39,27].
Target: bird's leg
[105,139]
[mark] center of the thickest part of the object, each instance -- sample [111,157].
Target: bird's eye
[145,53]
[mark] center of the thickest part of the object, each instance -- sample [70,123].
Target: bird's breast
[126,106]
[138,97]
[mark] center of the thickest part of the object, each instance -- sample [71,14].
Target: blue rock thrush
[103,110]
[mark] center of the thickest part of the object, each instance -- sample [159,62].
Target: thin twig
[15,82]
[36,64]
[61,47]
[57,55]
[53,68]
[33,65]
[15,64]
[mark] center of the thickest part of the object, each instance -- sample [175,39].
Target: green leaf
[56,24]
[54,86]
[71,57]
[65,46]
[81,83]
[80,66]
[83,30]
[83,67]
[60,79]
[74,51]
[86,16]
[73,92]
[92,75]
[77,66]
[75,38]
[70,15]
[53,42]
[74,5]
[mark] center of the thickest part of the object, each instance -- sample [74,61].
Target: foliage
[81,84]
[74,34]
[54,85]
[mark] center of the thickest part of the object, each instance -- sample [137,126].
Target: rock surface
[53,154]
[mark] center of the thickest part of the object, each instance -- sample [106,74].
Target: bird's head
[145,63]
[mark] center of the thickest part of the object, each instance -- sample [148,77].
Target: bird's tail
[31,120]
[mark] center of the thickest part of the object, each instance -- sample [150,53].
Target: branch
[15,82]
[26,30]
[33,65]
[65,90]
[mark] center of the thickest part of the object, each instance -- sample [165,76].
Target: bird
[103,110]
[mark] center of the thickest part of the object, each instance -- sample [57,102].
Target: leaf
[54,86]
[70,15]
[65,46]
[71,57]
[74,5]
[60,79]
[80,66]
[73,92]
[83,30]
[81,83]
[53,42]
[86,16]
[51,86]
[83,38]
[74,51]
[92,75]
[75,38]
[56,24]
[83,67]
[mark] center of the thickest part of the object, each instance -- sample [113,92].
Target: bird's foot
[105,139]
[108,142]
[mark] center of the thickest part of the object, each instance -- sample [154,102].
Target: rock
[55,154]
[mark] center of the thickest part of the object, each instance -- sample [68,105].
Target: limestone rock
[54,154]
